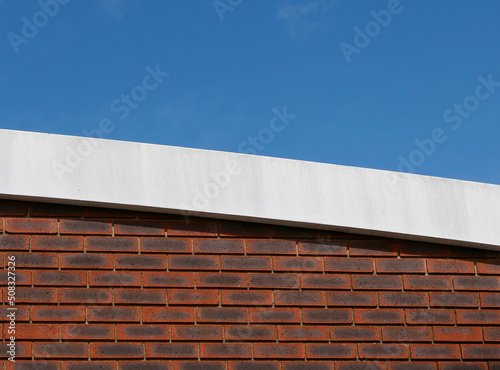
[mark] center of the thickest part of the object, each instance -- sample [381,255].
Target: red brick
[140,296]
[142,261]
[165,245]
[199,365]
[60,350]
[295,232]
[421,250]
[30,226]
[406,334]
[57,243]
[299,298]
[378,316]
[34,295]
[463,365]
[116,350]
[36,260]
[376,282]
[32,365]
[415,365]
[54,210]
[168,279]
[351,299]
[139,228]
[84,365]
[22,277]
[302,333]
[85,227]
[338,264]
[426,283]
[326,316]
[453,299]
[194,228]
[476,283]
[457,334]
[90,332]
[253,365]
[450,266]
[318,248]
[434,351]
[359,365]
[491,300]
[325,281]
[193,297]
[462,252]
[251,333]
[223,280]
[355,334]
[273,247]
[85,295]
[193,263]
[278,350]
[196,333]
[219,246]
[50,277]
[113,314]
[384,351]
[106,244]
[330,351]
[94,212]
[225,350]
[484,317]
[298,263]
[373,248]
[402,299]
[274,315]
[13,242]
[399,265]
[221,315]
[86,261]
[244,229]
[246,263]
[114,278]
[58,313]
[274,281]
[22,349]
[170,350]
[491,334]
[480,351]
[35,331]
[131,332]
[488,266]
[246,297]
[429,317]
[168,314]
[13,208]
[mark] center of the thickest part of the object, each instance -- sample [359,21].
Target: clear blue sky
[235,66]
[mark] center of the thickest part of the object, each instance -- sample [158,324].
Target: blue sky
[402,85]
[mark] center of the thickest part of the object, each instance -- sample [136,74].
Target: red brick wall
[128,290]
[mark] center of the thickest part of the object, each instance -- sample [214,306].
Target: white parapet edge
[206,183]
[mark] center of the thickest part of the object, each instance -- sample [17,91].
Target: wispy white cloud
[303,19]
[118,8]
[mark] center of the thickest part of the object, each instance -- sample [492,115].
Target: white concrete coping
[157,178]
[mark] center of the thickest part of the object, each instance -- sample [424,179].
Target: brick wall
[107,289]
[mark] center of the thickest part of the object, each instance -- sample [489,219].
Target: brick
[453,299]
[113,314]
[434,351]
[168,279]
[66,278]
[488,266]
[318,248]
[194,228]
[58,313]
[359,365]
[116,350]
[35,331]
[85,295]
[375,248]
[298,263]
[457,334]
[221,315]
[142,261]
[57,243]
[139,227]
[171,350]
[13,242]
[429,317]
[30,226]
[22,349]
[244,229]
[351,299]
[421,250]
[95,212]
[273,247]
[400,299]
[406,334]
[246,263]
[131,332]
[13,208]
[491,300]
[190,365]
[85,227]
[274,315]
[480,351]
[295,232]
[326,316]
[336,264]
[254,365]
[106,244]
[376,282]
[274,281]
[193,297]
[295,298]
[382,351]
[278,350]
[34,295]
[395,365]
[491,334]
[476,283]
[140,296]
[196,333]
[219,246]
[85,365]
[223,280]
[168,314]
[484,317]
[251,333]
[86,261]
[309,365]
[426,283]
[194,263]
[36,260]
[246,297]
[60,350]
[22,313]
[354,334]
[114,278]
[325,281]
[54,210]
[462,252]
[378,316]
[303,333]
[165,245]
[225,350]
[87,332]
[399,265]
[22,277]
[330,351]
[450,266]
[463,365]
[32,365]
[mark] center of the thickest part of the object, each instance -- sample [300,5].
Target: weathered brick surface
[110,289]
